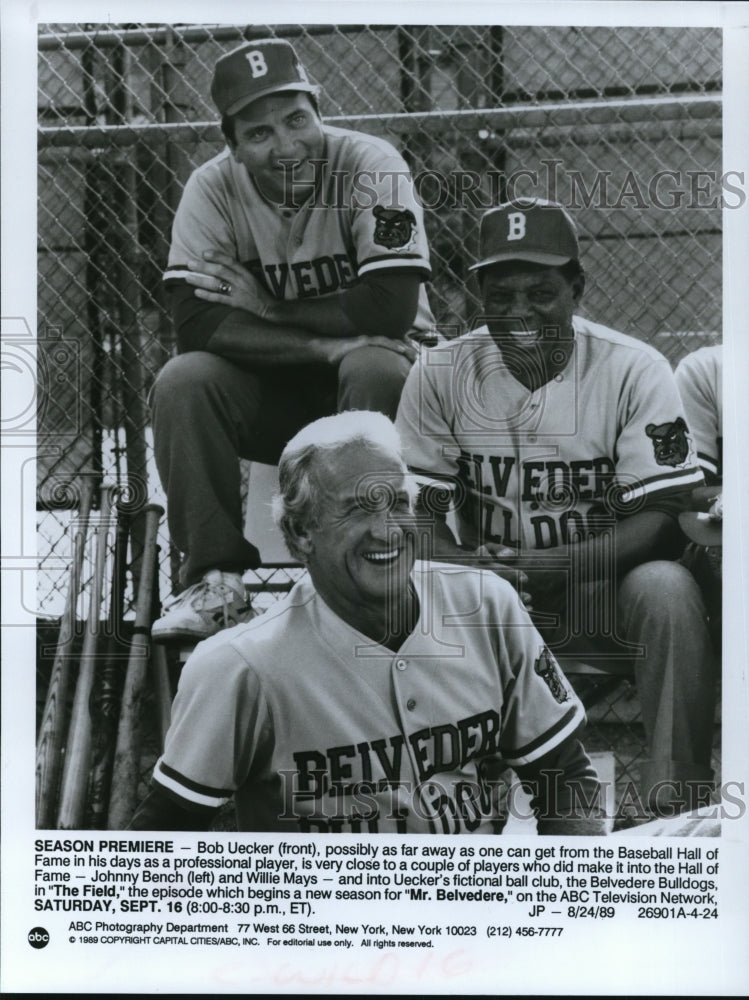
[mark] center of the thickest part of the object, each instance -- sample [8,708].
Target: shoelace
[196,594]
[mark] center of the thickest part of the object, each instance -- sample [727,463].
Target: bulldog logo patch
[670,443]
[547,668]
[394,228]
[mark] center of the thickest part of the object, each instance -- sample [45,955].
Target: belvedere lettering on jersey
[306,279]
[368,786]
[549,492]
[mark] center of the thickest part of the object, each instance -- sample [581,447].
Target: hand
[496,558]
[334,349]
[545,583]
[220,278]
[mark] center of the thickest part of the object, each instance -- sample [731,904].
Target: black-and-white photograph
[507,241]
[375,396]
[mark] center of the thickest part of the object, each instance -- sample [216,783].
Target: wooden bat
[127,753]
[160,668]
[107,690]
[52,729]
[78,750]
[163,690]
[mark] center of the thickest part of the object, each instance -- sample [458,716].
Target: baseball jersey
[699,377]
[537,469]
[363,217]
[314,727]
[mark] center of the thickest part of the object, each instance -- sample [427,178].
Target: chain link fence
[622,125]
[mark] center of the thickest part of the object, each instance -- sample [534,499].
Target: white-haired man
[383,694]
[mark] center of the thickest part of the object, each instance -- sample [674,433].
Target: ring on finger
[224,287]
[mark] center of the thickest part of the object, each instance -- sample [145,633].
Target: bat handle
[78,751]
[126,760]
[52,728]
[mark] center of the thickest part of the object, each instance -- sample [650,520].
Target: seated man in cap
[699,377]
[570,458]
[296,270]
[382,695]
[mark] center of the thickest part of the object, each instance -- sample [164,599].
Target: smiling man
[570,457]
[382,695]
[296,273]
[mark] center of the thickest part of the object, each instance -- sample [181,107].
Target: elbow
[400,325]
[383,306]
[195,321]
[396,319]
[191,340]
[394,322]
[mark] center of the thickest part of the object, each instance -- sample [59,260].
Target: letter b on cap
[258,65]
[516,223]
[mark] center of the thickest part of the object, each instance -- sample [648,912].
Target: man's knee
[372,378]
[374,364]
[663,588]
[198,386]
[186,373]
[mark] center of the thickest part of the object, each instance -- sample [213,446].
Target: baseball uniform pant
[208,412]
[657,624]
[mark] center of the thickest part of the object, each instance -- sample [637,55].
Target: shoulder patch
[549,670]
[670,443]
[394,228]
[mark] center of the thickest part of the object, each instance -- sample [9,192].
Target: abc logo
[38,937]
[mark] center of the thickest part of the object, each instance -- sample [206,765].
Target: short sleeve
[655,456]
[220,723]
[388,220]
[540,710]
[201,222]
[429,446]
[698,377]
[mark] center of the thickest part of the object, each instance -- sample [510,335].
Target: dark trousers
[208,413]
[654,621]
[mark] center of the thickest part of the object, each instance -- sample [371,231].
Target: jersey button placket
[296,237]
[401,666]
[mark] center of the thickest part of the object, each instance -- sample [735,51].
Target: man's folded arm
[379,304]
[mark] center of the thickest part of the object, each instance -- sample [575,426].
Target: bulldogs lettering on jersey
[381,769]
[559,499]
[363,739]
[549,467]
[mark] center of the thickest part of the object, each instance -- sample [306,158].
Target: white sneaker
[218,601]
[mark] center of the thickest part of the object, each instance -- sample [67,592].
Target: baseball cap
[531,229]
[254,70]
